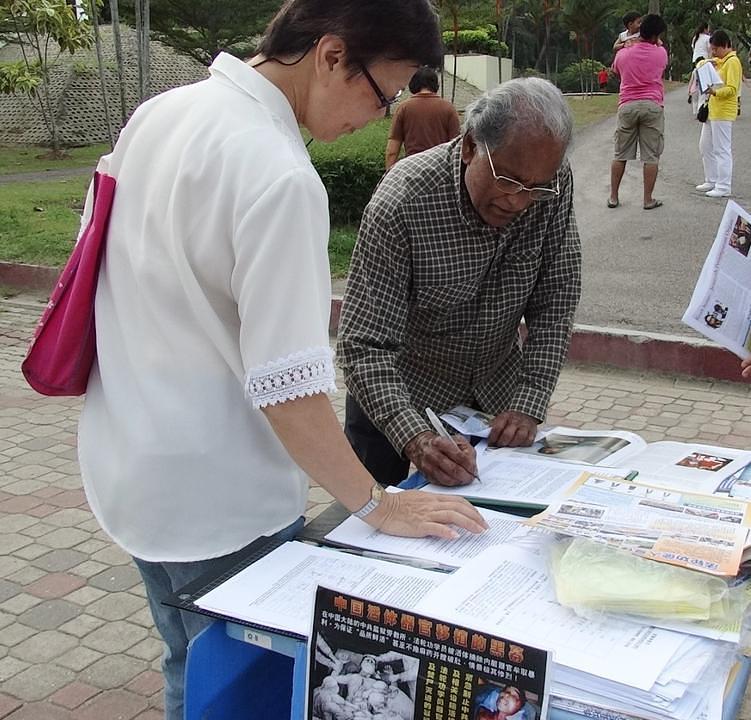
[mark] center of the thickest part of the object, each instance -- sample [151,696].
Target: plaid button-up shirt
[435,297]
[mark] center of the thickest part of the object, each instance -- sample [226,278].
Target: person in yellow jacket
[715,143]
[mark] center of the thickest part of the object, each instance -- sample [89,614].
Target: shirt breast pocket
[516,277]
[445,309]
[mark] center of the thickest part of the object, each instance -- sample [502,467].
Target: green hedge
[350,169]
[480,40]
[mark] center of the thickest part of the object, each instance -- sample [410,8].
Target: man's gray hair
[531,105]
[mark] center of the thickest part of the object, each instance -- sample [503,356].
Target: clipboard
[185,598]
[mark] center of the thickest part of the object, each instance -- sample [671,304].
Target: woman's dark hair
[424,79]
[371,30]
[651,26]
[629,17]
[719,38]
[699,30]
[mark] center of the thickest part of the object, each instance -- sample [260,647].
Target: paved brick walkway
[76,638]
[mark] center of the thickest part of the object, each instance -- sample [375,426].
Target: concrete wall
[479,70]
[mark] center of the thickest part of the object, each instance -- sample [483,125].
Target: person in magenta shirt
[640,109]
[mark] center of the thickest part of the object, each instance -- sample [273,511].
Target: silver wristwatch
[376,493]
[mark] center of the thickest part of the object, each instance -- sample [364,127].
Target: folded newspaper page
[720,307]
[699,532]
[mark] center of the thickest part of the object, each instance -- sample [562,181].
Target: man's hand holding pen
[443,461]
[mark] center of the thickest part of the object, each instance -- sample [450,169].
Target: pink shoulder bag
[63,348]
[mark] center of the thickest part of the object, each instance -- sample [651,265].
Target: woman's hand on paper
[443,461]
[414,513]
[512,429]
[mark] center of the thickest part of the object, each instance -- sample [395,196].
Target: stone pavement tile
[116,606]
[19,604]
[38,528]
[68,517]
[10,565]
[42,711]
[64,538]
[15,523]
[118,704]
[85,595]
[44,646]
[88,568]
[41,511]
[147,683]
[115,637]
[78,658]
[149,649]
[55,585]
[68,499]
[113,671]
[8,590]
[15,633]
[82,625]
[38,682]
[50,614]
[32,551]
[150,714]
[7,705]
[59,560]
[10,667]
[73,695]
[112,555]
[122,577]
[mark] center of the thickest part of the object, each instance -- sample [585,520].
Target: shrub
[582,75]
[480,40]
[350,169]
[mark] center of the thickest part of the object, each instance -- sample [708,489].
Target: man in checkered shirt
[457,245]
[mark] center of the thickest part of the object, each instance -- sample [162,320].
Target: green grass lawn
[39,221]
[590,109]
[32,159]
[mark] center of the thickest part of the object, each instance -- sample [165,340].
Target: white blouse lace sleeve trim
[306,372]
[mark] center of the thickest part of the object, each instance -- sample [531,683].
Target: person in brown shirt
[423,121]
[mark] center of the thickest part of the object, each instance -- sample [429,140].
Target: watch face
[376,493]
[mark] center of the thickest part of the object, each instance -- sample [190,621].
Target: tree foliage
[43,29]
[202,29]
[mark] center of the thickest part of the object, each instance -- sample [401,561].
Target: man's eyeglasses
[509,186]
[383,101]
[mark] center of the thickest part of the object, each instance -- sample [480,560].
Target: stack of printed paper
[607,663]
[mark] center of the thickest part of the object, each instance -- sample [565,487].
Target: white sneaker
[718,193]
[705,186]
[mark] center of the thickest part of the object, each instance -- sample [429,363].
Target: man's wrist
[413,449]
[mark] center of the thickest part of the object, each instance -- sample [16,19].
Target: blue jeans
[177,627]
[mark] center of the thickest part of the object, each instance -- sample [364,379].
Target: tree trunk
[117,37]
[654,7]
[142,35]
[100,67]
[146,19]
[455,24]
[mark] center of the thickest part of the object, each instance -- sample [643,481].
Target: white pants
[716,154]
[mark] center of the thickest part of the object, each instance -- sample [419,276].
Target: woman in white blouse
[206,411]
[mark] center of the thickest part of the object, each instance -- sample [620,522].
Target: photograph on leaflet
[691,467]
[720,305]
[372,661]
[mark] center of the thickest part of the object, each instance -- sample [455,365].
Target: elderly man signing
[456,247]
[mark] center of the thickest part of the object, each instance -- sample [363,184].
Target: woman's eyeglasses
[509,186]
[383,101]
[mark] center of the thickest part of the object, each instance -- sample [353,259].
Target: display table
[236,671]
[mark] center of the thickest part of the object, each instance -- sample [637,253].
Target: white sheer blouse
[213,302]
